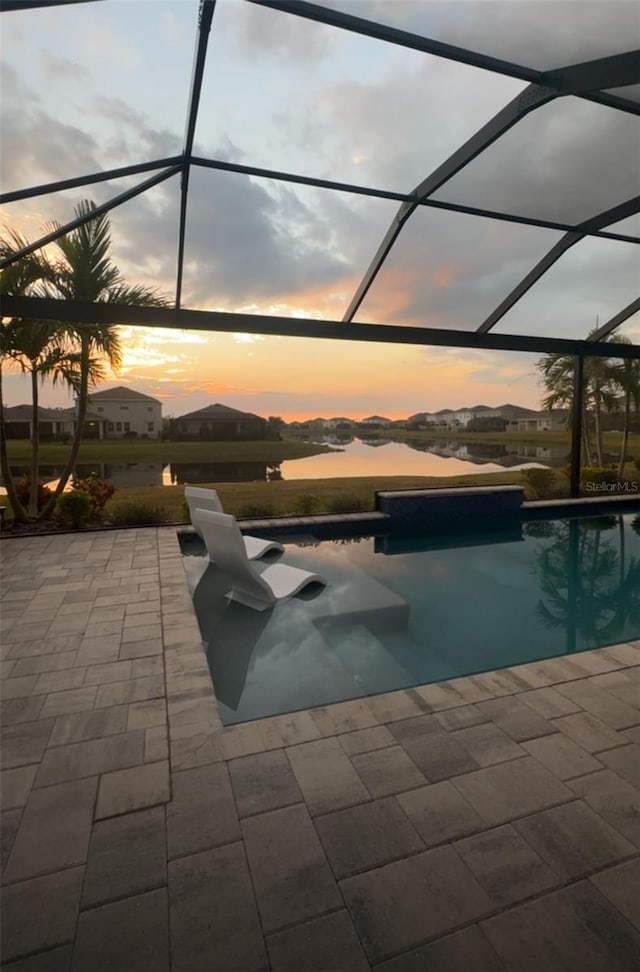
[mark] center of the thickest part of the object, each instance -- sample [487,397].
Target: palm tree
[19,278]
[557,377]
[39,349]
[85,272]
[626,375]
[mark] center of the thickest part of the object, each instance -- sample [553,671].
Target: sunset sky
[107,85]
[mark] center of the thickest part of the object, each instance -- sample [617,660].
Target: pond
[351,457]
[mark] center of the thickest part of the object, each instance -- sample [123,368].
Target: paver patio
[488,823]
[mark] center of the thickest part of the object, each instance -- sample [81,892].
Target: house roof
[22,413]
[219,413]
[121,394]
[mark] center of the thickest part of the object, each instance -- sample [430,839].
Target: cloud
[515,30]
[272,35]
[62,68]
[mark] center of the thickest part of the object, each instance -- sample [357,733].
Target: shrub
[23,489]
[98,490]
[348,503]
[138,513]
[186,512]
[540,482]
[73,508]
[306,503]
[597,474]
[256,510]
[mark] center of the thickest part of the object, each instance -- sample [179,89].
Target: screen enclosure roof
[463,173]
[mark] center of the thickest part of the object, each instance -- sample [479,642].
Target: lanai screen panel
[631,92]
[571,300]
[285,93]
[541,34]
[260,246]
[93,86]
[109,85]
[568,160]
[450,269]
[630,329]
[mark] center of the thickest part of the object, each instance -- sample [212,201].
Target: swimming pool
[402,610]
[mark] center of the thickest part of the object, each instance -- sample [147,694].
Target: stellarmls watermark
[621,486]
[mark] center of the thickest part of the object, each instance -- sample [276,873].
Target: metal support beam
[531,98]
[614,322]
[7,5]
[199,59]
[88,180]
[416,42]
[605,72]
[576,424]
[359,190]
[81,220]
[606,218]
[40,308]
[393,35]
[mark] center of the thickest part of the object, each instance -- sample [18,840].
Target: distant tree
[275,426]
[556,371]
[490,424]
[625,374]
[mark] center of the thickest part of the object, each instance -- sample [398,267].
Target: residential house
[220,422]
[376,421]
[554,421]
[340,423]
[53,423]
[127,413]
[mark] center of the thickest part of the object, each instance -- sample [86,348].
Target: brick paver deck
[488,823]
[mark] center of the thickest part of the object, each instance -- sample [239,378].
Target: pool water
[400,611]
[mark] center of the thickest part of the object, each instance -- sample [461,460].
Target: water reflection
[350,457]
[120,474]
[589,584]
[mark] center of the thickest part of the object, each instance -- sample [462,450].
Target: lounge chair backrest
[221,533]
[199,498]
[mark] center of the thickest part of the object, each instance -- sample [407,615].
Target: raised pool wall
[441,510]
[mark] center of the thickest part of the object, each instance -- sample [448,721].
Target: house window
[149,408]
[127,426]
[110,426]
[100,409]
[149,426]
[118,426]
[124,408]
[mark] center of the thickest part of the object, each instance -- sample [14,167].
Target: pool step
[367,659]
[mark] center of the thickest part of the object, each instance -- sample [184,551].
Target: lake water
[355,457]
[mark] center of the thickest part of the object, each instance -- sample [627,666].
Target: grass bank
[284,497]
[156,504]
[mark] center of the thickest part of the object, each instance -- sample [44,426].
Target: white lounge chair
[199,498]
[246,584]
